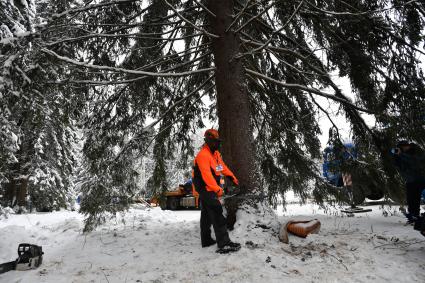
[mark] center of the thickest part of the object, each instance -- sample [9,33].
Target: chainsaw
[237,192]
[29,257]
[240,196]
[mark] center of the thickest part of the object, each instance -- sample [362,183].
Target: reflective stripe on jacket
[210,167]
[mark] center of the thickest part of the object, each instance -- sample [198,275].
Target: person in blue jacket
[187,185]
[409,159]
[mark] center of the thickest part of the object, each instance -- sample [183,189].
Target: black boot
[209,243]
[234,245]
[229,248]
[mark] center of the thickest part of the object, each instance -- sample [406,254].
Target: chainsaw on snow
[29,257]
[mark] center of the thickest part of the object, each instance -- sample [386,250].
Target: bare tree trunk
[16,192]
[10,193]
[232,102]
[21,194]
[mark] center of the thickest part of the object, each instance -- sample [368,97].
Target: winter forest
[103,109]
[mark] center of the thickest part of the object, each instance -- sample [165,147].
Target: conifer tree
[37,120]
[263,64]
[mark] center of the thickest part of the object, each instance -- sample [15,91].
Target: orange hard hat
[212,134]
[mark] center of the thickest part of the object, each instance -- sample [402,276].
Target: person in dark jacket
[208,177]
[187,186]
[410,160]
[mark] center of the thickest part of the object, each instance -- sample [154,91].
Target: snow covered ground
[164,246]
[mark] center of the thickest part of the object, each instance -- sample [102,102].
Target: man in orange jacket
[208,179]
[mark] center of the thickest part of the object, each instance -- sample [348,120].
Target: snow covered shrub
[5,212]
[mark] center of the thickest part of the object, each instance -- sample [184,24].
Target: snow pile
[256,227]
[151,245]
[5,212]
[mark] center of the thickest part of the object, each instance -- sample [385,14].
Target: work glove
[219,193]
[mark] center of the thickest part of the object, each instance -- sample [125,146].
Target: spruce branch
[122,70]
[238,16]
[326,113]
[205,8]
[274,33]
[132,36]
[189,22]
[151,125]
[360,13]
[255,17]
[309,90]
[91,7]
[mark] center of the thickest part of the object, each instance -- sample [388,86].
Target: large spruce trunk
[232,103]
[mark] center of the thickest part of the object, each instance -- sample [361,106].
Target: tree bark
[233,109]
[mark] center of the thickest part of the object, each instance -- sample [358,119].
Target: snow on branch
[177,103]
[90,7]
[163,60]
[309,90]
[274,33]
[189,22]
[180,117]
[205,8]
[326,113]
[256,17]
[150,127]
[132,36]
[122,70]
[274,48]
[98,83]
[170,56]
[238,16]
[359,13]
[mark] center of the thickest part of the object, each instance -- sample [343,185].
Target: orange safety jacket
[211,168]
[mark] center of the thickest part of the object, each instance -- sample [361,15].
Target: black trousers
[212,214]
[413,197]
